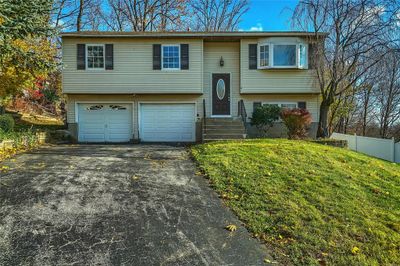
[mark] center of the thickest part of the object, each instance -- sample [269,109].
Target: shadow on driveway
[115,205]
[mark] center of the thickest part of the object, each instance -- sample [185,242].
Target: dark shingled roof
[192,34]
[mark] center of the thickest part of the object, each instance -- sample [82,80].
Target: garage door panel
[93,138]
[100,122]
[167,122]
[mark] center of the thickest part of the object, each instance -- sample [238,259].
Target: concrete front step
[230,119]
[224,126]
[223,121]
[225,131]
[223,136]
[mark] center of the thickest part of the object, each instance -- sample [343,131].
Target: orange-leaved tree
[297,122]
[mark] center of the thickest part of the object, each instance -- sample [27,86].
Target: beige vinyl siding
[273,80]
[311,100]
[212,55]
[133,68]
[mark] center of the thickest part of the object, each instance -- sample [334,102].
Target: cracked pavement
[116,205]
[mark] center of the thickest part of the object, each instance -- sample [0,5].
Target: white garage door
[167,122]
[105,122]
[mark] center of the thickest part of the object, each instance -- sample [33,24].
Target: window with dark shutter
[252,56]
[109,57]
[256,105]
[80,59]
[185,56]
[157,56]
[302,105]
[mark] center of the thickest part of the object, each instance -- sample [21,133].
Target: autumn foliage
[297,122]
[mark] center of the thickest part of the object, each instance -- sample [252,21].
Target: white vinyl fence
[385,149]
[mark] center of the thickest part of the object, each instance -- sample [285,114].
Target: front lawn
[310,203]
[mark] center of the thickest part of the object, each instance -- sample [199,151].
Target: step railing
[204,116]
[242,112]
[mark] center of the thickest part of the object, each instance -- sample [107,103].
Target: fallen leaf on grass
[231,227]
[355,250]
[4,168]
[134,177]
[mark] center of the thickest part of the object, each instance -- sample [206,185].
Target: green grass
[312,204]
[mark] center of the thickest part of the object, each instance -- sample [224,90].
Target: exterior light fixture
[221,62]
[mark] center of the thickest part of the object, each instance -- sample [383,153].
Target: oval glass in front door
[221,94]
[220,89]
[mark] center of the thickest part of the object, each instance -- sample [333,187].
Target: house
[159,86]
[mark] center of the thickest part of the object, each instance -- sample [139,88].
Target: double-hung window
[95,56]
[171,57]
[284,105]
[282,55]
[264,56]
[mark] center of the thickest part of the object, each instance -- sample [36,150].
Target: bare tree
[358,33]
[144,15]
[217,15]
[388,94]
[79,16]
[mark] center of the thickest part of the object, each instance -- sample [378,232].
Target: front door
[221,94]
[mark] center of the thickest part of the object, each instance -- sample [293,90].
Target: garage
[159,122]
[104,122]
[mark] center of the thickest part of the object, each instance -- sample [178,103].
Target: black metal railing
[242,111]
[204,115]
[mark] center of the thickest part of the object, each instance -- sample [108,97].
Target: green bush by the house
[7,123]
[264,117]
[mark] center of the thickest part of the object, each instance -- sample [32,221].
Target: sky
[268,15]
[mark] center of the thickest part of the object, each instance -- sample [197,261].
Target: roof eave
[241,34]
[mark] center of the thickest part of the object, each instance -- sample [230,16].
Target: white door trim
[230,95]
[167,102]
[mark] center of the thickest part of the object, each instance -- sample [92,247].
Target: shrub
[297,122]
[7,122]
[265,116]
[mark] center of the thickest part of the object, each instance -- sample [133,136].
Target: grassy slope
[311,203]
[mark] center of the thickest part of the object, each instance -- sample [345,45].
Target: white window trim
[280,103]
[162,57]
[271,56]
[104,57]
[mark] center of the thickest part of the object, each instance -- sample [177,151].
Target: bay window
[282,55]
[264,55]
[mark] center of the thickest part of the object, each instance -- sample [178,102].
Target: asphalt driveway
[115,205]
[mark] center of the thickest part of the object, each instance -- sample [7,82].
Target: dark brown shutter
[184,56]
[157,56]
[80,60]
[311,56]
[256,105]
[109,57]
[252,56]
[302,105]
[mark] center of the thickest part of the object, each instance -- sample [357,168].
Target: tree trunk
[323,131]
[79,17]
[2,110]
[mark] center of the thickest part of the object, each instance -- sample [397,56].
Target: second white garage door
[167,122]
